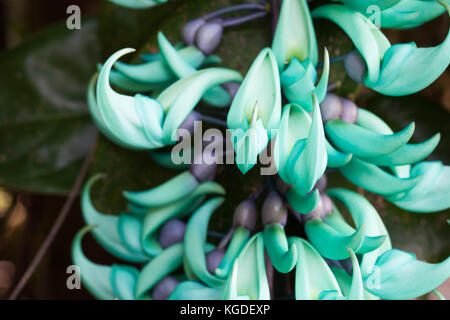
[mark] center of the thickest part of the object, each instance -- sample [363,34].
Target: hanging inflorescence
[166,228]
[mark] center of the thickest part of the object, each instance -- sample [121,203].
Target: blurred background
[26,217]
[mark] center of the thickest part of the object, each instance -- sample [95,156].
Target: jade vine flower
[370,144]
[138,4]
[301,157]
[141,122]
[256,110]
[399,14]
[388,69]
[295,48]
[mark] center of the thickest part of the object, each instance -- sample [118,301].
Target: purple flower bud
[355,66]
[209,36]
[203,171]
[189,122]
[190,30]
[274,211]
[245,215]
[327,204]
[323,208]
[349,111]
[214,258]
[331,107]
[164,288]
[172,232]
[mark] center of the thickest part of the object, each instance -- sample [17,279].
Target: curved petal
[366,37]
[195,237]
[248,279]
[167,192]
[107,233]
[237,243]
[181,98]
[294,35]
[260,89]
[400,276]
[336,159]
[302,203]
[374,179]
[216,96]
[137,4]
[312,274]
[156,217]
[162,265]
[361,142]
[282,254]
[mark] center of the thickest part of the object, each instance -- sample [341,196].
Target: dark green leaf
[45,127]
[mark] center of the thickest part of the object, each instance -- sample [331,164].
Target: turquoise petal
[123,281]
[335,158]
[118,111]
[431,194]
[331,243]
[294,35]
[96,278]
[182,97]
[157,72]
[165,159]
[362,212]
[302,203]
[374,179]
[195,238]
[107,233]
[361,142]
[248,279]
[157,216]
[260,89]
[311,164]
[192,290]
[167,192]
[366,37]
[237,243]
[282,254]
[345,283]
[216,96]
[363,5]
[312,274]
[162,265]
[401,276]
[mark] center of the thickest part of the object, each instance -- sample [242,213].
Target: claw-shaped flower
[301,157]
[255,110]
[295,49]
[389,69]
[399,14]
[140,122]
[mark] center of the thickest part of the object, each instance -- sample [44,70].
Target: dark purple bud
[164,288]
[189,123]
[232,88]
[274,211]
[355,66]
[209,36]
[203,171]
[190,30]
[214,258]
[245,215]
[349,111]
[172,232]
[331,107]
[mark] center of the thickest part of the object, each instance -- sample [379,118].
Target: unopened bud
[349,111]
[172,232]
[209,36]
[274,211]
[245,215]
[214,258]
[355,66]
[331,107]
[164,288]
[190,30]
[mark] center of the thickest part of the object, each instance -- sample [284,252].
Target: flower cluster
[166,229]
